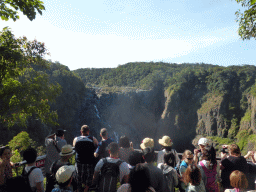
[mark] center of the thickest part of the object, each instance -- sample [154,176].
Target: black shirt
[230,164]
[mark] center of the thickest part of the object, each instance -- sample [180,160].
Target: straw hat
[203,141]
[64,173]
[165,141]
[147,142]
[67,150]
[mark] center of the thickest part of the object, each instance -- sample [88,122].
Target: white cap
[203,141]
[64,173]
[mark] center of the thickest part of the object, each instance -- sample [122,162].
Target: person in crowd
[187,159]
[169,171]
[251,155]
[125,148]
[147,142]
[238,180]
[166,144]
[53,144]
[101,151]
[210,170]
[5,166]
[156,175]
[233,162]
[64,177]
[134,158]
[98,177]
[193,179]
[203,144]
[85,146]
[36,177]
[139,180]
[66,153]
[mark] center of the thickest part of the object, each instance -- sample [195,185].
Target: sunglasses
[189,158]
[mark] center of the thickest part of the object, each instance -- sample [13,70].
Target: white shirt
[36,176]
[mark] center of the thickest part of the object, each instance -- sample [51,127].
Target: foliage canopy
[10,8]
[24,91]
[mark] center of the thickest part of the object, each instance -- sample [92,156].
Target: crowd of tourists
[106,166]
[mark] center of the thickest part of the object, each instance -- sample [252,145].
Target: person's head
[64,175]
[113,149]
[135,157]
[30,155]
[85,130]
[147,142]
[67,152]
[124,142]
[192,175]
[60,133]
[203,142]
[5,153]
[149,154]
[238,180]
[139,178]
[166,143]
[210,155]
[169,159]
[104,133]
[234,149]
[187,156]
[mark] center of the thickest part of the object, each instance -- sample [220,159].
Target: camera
[224,150]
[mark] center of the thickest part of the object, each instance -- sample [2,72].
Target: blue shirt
[101,150]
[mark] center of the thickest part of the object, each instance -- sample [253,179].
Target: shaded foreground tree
[10,8]
[247,19]
[25,90]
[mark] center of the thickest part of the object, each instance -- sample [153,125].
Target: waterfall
[97,111]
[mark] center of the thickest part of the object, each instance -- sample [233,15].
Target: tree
[10,8]
[25,90]
[247,19]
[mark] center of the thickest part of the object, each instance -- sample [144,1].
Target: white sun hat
[67,150]
[64,173]
[203,141]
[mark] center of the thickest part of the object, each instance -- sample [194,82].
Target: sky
[109,33]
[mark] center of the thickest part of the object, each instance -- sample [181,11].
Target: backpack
[20,182]
[211,185]
[103,153]
[109,175]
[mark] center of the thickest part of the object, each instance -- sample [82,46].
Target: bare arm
[125,178]
[74,142]
[95,141]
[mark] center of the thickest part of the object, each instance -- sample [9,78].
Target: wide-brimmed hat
[64,173]
[165,141]
[147,142]
[203,141]
[67,150]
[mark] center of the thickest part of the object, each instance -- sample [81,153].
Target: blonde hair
[186,153]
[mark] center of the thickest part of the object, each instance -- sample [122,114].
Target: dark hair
[210,155]
[30,155]
[2,149]
[149,154]
[193,175]
[62,185]
[135,157]
[139,178]
[113,148]
[238,180]
[169,159]
[124,142]
[234,149]
[60,133]
[85,128]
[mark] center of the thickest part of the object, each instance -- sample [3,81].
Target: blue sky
[108,33]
